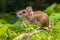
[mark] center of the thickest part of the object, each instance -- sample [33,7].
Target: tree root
[26,36]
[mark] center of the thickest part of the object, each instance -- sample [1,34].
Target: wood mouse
[38,17]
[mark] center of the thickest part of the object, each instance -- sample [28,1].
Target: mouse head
[25,12]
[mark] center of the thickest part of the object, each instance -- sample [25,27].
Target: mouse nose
[19,13]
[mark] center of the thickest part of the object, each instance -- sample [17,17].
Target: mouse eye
[24,12]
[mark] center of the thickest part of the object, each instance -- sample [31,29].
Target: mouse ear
[29,9]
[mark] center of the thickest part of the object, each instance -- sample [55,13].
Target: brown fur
[34,17]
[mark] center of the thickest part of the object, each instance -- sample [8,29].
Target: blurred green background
[11,26]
